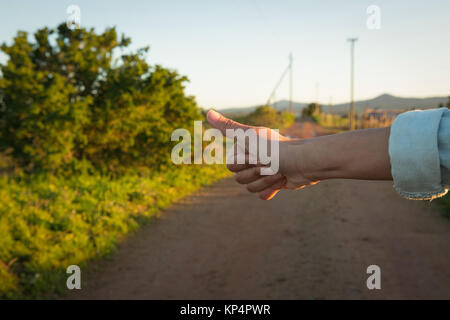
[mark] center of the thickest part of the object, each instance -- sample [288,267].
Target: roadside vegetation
[267,116]
[444,203]
[85,129]
[338,123]
[48,222]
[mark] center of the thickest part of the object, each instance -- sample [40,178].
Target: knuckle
[228,124]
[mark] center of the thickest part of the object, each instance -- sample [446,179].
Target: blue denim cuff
[414,154]
[444,147]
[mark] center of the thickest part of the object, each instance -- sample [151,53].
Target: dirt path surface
[224,243]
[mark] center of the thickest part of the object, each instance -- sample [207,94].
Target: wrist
[361,154]
[316,158]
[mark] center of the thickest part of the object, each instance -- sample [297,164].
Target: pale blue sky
[234,51]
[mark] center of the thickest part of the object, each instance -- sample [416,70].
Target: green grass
[444,203]
[48,223]
[331,122]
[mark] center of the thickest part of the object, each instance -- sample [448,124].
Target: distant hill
[382,102]
[388,102]
[279,105]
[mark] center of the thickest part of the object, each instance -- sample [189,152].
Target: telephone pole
[351,114]
[317,92]
[283,75]
[291,106]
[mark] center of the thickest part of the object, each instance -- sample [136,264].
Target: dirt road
[224,243]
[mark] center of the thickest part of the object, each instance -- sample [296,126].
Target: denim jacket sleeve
[419,150]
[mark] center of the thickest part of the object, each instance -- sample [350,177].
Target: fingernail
[213,115]
[268,171]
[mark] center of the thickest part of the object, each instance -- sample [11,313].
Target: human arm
[415,153]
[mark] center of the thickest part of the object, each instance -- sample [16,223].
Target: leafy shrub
[84,151]
[311,110]
[267,116]
[65,97]
[444,202]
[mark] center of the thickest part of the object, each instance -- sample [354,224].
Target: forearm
[360,154]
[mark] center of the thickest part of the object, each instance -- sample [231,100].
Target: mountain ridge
[384,101]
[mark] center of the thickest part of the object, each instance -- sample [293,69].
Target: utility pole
[272,95]
[291,105]
[351,114]
[317,92]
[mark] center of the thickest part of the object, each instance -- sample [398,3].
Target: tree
[311,109]
[265,116]
[69,95]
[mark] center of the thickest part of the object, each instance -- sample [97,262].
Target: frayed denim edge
[423,195]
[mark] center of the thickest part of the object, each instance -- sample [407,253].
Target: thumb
[222,123]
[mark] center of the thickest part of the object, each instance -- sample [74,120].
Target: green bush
[84,151]
[312,110]
[444,202]
[69,95]
[267,116]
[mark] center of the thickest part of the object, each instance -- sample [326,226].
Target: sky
[234,51]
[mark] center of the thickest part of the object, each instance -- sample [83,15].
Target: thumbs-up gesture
[289,175]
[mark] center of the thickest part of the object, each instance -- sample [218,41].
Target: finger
[234,166]
[269,193]
[248,175]
[222,123]
[264,183]
[236,156]
[239,167]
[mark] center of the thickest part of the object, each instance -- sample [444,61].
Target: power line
[283,75]
[277,85]
[317,92]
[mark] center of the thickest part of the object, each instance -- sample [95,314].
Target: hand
[289,175]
